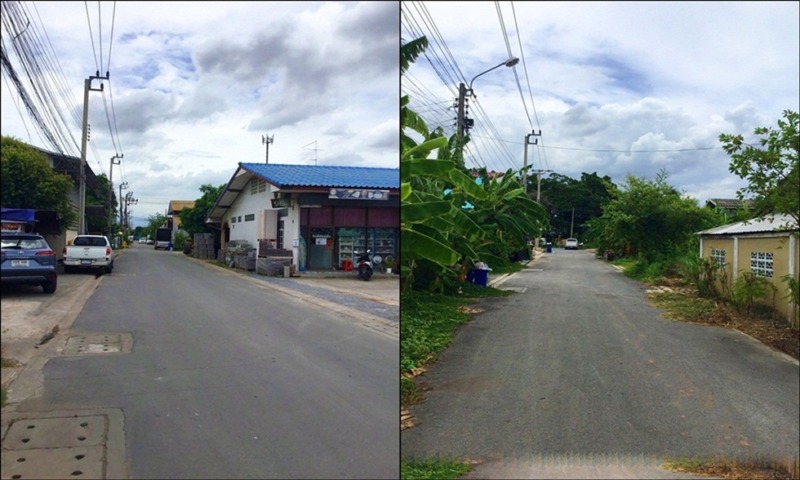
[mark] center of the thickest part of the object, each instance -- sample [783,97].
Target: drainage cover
[56,447]
[98,343]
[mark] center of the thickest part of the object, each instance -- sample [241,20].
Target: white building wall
[244,205]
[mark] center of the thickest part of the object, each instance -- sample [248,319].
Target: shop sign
[281,202]
[359,194]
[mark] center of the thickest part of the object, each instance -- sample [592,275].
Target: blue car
[28,259]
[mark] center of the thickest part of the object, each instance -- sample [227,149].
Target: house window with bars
[718,256]
[761,264]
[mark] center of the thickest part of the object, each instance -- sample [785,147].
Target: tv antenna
[315,150]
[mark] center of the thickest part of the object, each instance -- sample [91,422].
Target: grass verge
[427,324]
[433,469]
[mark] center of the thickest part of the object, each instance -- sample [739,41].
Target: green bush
[180,240]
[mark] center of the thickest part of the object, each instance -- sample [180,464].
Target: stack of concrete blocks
[240,254]
[203,246]
[271,261]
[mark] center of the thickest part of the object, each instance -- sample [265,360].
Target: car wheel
[109,268]
[68,269]
[49,287]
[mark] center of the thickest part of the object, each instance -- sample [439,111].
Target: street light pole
[525,158]
[121,186]
[111,189]
[87,85]
[461,121]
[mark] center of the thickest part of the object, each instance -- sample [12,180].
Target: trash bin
[549,247]
[478,277]
[169,246]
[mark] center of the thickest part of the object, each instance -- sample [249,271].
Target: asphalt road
[577,365]
[230,379]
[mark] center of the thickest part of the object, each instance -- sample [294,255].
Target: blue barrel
[549,247]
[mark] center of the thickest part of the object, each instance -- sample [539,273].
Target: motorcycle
[364,265]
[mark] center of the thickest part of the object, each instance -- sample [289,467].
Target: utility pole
[525,160]
[87,85]
[539,195]
[265,139]
[111,189]
[121,187]
[129,200]
[463,123]
[572,223]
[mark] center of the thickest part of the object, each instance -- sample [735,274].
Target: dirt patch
[759,323]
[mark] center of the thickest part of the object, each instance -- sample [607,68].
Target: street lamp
[462,94]
[508,63]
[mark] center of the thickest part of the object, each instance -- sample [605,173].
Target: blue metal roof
[283,175]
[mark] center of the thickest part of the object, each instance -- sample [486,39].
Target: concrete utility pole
[111,189]
[463,123]
[265,139]
[539,195]
[121,186]
[87,85]
[525,157]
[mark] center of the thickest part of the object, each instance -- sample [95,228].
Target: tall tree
[649,219]
[193,220]
[770,168]
[27,180]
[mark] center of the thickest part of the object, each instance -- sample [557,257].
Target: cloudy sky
[616,88]
[194,87]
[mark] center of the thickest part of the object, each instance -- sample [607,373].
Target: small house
[767,247]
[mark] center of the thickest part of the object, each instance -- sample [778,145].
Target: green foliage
[27,180]
[193,220]
[772,168]
[433,469]
[561,194]
[749,287]
[702,272]
[154,222]
[95,224]
[649,219]
[427,323]
[440,236]
[180,240]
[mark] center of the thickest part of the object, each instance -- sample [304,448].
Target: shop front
[333,235]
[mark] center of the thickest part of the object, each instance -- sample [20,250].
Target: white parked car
[571,244]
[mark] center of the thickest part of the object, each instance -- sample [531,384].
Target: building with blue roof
[322,214]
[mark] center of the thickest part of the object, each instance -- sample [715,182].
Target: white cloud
[194,86]
[616,88]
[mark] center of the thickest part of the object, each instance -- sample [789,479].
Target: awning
[24,215]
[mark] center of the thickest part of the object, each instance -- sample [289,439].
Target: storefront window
[383,243]
[351,242]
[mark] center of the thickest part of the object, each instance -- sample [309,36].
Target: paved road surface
[578,366]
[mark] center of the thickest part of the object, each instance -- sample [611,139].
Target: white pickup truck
[89,252]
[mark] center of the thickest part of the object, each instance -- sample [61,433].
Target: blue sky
[195,86]
[616,88]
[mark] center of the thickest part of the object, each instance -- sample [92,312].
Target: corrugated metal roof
[767,224]
[282,175]
[176,206]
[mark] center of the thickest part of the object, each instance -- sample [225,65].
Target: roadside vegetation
[453,217]
[734,469]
